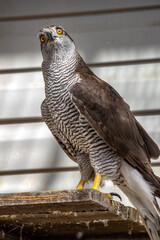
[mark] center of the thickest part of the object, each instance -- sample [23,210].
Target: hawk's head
[55,42]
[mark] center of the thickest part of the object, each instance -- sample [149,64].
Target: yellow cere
[59,31]
[43,38]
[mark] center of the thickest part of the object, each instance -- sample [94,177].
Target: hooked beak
[50,36]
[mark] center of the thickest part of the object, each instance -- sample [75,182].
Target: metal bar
[155,164]
[20,120]
[3,121]
[79,13]
[101,64]
[149,112]
[48,170]
[37,170]
[20,70]
[125,62]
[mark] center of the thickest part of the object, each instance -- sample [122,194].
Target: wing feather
[110,116]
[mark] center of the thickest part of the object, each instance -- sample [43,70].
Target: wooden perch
[71,214]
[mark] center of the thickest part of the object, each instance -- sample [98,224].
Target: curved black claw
[116,195]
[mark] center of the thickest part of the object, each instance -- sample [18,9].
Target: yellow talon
[95,186]
[96,182]
[108,195]
[80,184]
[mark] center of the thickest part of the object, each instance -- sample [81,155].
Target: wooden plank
[40,182]
[30,146]
[120,63]
[28,88]
[79,13]
[4,121]
[133,82]
[37,170]
[87,210]
[25,146]
[127,36]
[19,8]
[71,200]
[91,65]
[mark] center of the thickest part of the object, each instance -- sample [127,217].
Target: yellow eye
[42,38]
[59,31]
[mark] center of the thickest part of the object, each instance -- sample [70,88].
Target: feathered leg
[86,170]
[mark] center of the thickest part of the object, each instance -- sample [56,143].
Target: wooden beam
[3,121]
[95,65]
[37,170]
[48,170]
[81,13]
[68,213]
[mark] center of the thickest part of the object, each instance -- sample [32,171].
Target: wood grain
[68,212]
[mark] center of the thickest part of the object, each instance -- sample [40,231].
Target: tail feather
[141,195]
[153,229]
[157,191]
[156,206]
